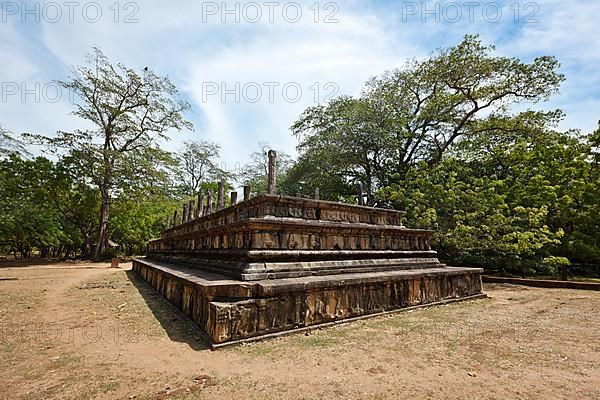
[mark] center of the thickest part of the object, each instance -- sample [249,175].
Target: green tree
[77,201]
[27,218]
[419,112]
[339,147]
[255,172]
[130,111]
[146,193]
[9,144]
[471,213]
[544,167]
[197,164]
[512,197]
[135,221]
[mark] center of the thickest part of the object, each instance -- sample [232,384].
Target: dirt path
[87,331]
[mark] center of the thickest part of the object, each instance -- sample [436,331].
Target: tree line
[459,140]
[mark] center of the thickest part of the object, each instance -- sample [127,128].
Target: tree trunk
[564,273]
[84,249]
[102,244]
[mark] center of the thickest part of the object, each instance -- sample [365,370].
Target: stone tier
[327,264]
[268,221]
[274,264]
[271,232]
[272,237]
[294,207]
[229,311]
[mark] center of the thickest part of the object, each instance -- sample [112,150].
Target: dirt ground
[85,331]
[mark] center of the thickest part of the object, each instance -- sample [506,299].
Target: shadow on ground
[178,326]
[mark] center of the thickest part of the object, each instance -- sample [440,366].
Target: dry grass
[85,331]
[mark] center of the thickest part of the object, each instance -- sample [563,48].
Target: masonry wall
[275,308]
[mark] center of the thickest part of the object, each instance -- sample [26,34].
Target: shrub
[553,265]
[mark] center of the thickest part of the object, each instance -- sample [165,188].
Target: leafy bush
[553,265]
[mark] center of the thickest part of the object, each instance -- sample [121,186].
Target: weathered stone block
[272,264]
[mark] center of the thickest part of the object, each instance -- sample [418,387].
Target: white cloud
[175,42]
[370,38]
[311,56]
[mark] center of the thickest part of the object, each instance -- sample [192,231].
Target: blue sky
[276,57]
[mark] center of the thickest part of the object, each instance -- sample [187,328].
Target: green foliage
[50,207]
[417,113]
[197,164]
[515,196]
[130,111]
[255,172]
[28,218]
[137,220]
[553,265]
[9,144]
[472,215]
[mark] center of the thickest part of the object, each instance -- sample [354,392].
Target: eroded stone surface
[274,263]
[295,237]
[231,310]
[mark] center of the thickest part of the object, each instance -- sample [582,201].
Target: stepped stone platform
[273,264]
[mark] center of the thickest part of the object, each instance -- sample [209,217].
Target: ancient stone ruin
[272,264]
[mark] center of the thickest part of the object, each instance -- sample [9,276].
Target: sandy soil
[82,331]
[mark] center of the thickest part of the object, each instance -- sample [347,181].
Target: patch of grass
[338,389]
[256,349]
[585,279]
[400,322]
[343,331]
[109,387]
[317,341]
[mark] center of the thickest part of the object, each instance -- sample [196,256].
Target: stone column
[247,190]
[191,214]
[168,221]
[200,205]
[360,194]
[184,215]
[221,195]
[233,198]
[175,218]
[272,178]
[209,201]
[317,194]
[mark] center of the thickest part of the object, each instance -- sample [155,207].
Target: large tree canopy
[417,113]
[507,199]
[129,112]
[9,144]
[197,163]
